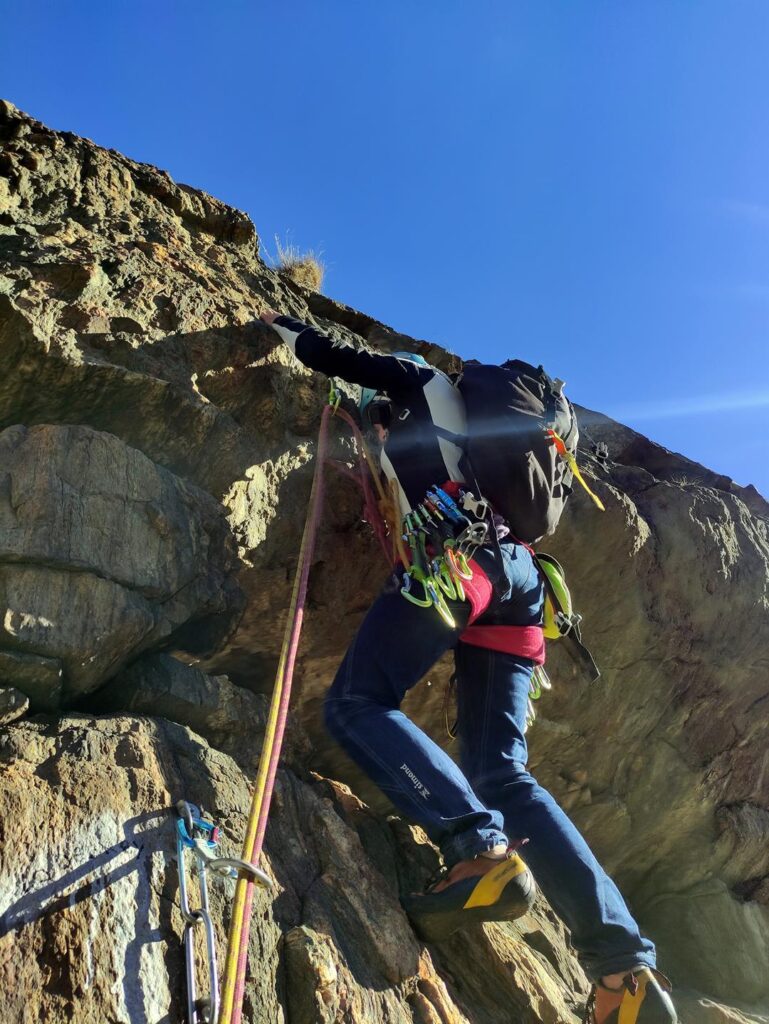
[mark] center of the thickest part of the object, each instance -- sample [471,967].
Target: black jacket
[423,398]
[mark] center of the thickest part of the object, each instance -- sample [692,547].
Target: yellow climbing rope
[237,947]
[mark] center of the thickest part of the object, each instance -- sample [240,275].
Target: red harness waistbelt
[525,641]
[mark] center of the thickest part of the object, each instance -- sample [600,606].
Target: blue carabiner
[190,819]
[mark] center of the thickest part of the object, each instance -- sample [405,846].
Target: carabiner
[334,398]
[425,602]
[443,578]
[541,679]
[458,564]
[441,606]
[448,502]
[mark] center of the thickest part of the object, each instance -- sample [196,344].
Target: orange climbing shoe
[481,889]
[642,998]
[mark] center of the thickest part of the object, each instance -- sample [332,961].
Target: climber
[479,816]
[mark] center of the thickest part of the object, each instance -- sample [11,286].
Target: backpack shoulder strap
[448,435]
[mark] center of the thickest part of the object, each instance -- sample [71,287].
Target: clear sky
[584,184]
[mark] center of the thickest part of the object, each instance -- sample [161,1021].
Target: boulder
[103,555]
[230,717]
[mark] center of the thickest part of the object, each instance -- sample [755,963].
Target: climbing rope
[236,960]
[377,511]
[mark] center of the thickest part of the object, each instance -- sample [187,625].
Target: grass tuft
[303,268]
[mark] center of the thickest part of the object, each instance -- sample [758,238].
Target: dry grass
[303,268]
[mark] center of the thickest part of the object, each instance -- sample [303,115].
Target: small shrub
[303,268]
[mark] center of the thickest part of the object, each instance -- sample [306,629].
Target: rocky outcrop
[91,926]
[157,445]
[103,554]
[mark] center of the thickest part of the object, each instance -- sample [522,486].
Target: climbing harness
[559,621]
[199,838]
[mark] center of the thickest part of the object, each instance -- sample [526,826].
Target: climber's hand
[268,315]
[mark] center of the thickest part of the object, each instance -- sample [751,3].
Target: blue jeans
[494,797]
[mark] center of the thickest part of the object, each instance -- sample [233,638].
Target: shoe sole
[505,893]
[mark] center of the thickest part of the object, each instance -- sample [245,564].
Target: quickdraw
[422,571]
[441,536]
[538,682]
[200,838]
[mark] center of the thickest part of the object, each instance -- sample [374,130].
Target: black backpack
[509,454]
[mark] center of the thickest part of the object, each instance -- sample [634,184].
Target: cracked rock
[103,555]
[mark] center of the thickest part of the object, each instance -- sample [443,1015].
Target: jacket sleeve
[357,366]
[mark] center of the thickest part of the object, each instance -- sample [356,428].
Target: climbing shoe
[482,889]
[642,998]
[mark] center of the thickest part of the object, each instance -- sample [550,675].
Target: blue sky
[581,184]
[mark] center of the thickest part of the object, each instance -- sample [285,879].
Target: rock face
[675,801]
[103,554]
[91,925]
[156,449]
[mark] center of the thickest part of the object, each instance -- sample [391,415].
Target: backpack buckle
[566,623]
[479,507]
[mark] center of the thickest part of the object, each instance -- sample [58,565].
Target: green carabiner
[424,602]
[441,606]
[334,398]
[444,579]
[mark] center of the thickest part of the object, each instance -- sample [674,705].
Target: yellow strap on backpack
[563,451]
